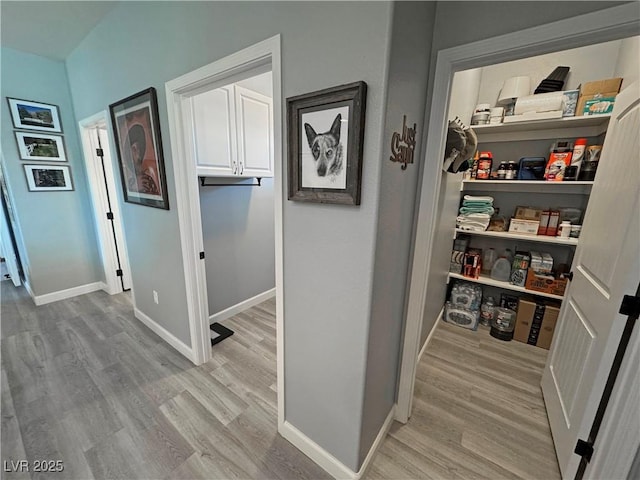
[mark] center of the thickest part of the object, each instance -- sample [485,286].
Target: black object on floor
[219,333]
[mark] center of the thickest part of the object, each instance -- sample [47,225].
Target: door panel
[255,133]
[606,266]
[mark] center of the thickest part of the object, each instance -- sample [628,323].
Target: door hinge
[630,306]
[109,215]
[569,276]
[99,152]
[118,273]
[584,449]
[201,255]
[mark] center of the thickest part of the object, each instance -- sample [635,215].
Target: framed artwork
[34,115]
[48,178]
[325,139]
[137,135]
[39,146]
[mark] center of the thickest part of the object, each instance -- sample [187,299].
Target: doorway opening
[95,136]
[426,275]
[224,163]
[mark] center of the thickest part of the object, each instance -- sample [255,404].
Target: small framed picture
[325,139]
[48,178]
[38,146]
[136,128]
[34,115]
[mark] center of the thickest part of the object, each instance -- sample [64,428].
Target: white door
[255,133]
[211,117]
[606,267]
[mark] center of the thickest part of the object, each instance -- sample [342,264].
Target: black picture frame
[136,129]
[321,167]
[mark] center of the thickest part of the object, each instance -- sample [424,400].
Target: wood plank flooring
[478,412]
[86,383]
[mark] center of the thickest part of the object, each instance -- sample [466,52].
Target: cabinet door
[255,133]
[213,120]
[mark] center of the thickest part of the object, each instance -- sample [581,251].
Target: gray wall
[407,90]
[58,247]
[238,232]
[329,250]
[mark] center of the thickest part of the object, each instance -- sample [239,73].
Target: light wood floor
[84,382]
[478,413]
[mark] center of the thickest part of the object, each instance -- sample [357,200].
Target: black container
[500,335]
[571,173]
[588,171]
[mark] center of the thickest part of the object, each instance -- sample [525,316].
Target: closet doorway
[618,23]
[95,135]
[197,165]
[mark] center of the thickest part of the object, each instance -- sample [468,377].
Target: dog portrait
[325,143]
[323,155]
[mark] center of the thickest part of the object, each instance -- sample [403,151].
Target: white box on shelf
[528,227]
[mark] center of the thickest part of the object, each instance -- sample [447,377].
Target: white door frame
[98,192]
[602,26]
[188,199]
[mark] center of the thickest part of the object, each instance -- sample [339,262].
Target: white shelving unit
[526,186]
[523,237]
[589,126]
[484,280]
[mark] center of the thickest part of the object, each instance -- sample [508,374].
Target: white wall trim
[315,452]
[242,306]
[27,286]
[430,336]
[597,27]
[382,434]
[164,334]
[328,462]
[64,294]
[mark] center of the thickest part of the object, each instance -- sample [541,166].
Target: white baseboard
[242,306]
[433,329]
[64,294]
[27,286]
[165,334]
[328,462]
[315,452]
[382,434]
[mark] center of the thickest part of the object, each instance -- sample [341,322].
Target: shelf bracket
[203,184]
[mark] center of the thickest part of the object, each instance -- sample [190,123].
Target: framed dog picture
[34,115]
[326,136]
[136,130]
[38,146]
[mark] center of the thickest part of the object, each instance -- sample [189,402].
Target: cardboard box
[544,222]
[597,90]
[549,321]
[600,105]
[528,213]
[524,318]
[545,283]
[528,227]
[536,322]
[601,86]
[554,221]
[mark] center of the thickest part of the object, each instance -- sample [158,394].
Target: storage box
[528,227]
[599,105]
[544,222]
[545,283]
[536,322]
[597,90]
[554,221]
[569,102]
[528,213]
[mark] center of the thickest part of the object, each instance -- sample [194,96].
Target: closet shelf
[526,186]
[484,280]
[526,238]
[567,127]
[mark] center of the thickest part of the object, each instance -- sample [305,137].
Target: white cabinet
[232,132]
